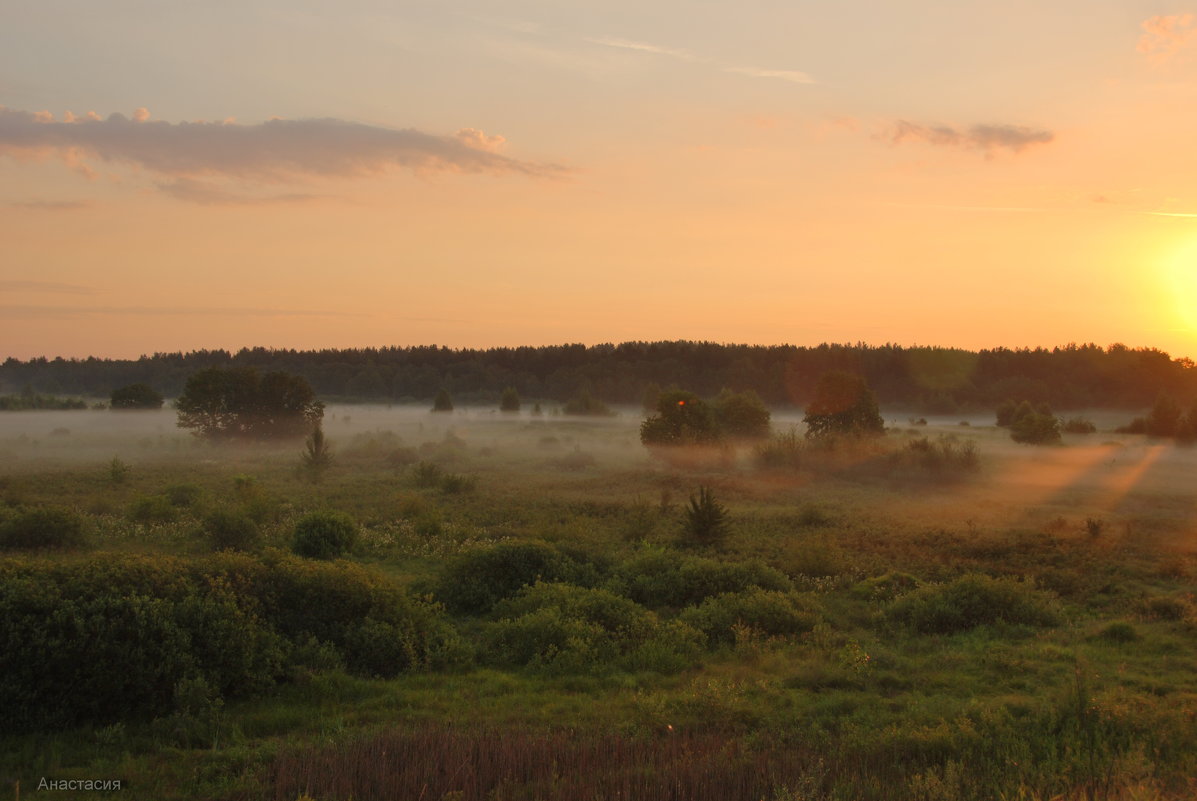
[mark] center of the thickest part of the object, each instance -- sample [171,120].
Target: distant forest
[928,380]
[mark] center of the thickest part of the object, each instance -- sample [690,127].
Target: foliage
[682,418]
[183,494]
[705,522]
[118,471]
[42,528]
[945,456]
[442,402]
[586,405]
[843,404]
[973,600]
[1036,429]
[111,638]
[510,400]
[742,414]
[220,403]
[475,581]
[136,396]
[1078,425]
[153,509]
[324,535]
[768,612]
[29,401]
[317,455]
[231,530]
[662,579]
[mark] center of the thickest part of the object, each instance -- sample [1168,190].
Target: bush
[182,494]
[98,640]
[510,401]
[136,396]
[1079,425]
[475,581]
[231,531]
[768,612]
[742,414]
[153,509]
[42,528]
[945,457]
[426,475]
[970,601]
[706,520]
[324,535]
[584,404]
[885,587]
[565,628]
[660,579]
[442,402]
[1036,429]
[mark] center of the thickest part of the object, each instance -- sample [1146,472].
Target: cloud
[1165,36]
[472,137]
[793,76]
[985,138]
[26,311]
[51,205]
[208,194]
[643,47]
[277,149]
[52,287]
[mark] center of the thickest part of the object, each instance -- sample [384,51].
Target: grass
[866,703]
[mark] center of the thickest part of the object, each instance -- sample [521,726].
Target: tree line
[925,379]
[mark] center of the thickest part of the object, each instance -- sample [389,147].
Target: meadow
[522,612]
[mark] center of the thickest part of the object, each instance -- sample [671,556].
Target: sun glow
[1180,282]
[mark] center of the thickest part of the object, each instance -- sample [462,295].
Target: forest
[920,379]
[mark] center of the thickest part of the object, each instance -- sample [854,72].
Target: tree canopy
[136,396]
[220,403]
[842,404]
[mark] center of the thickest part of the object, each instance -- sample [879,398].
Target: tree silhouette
[843,404]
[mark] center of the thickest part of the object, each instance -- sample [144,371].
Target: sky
[366,173]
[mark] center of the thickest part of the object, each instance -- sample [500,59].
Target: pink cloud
[1165,36]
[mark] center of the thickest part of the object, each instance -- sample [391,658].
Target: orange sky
[410,175]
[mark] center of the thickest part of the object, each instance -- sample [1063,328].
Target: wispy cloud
[28,311]
[208,194]
[1172,214]
[52,287]
[51,205]
[277,149]
[1165,36]
[984,138]
[793,76]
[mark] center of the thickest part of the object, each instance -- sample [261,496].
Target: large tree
[136,396]
[221,403]
[843,404]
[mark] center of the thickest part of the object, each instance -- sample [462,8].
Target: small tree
[136,396]
[585,404]
[510,402]
[742,414]
[1165,417]
[1036,429]
[442,402]
[843,404]
[324,535]
[706,519]
[682,418]
[220,403]
[317,455]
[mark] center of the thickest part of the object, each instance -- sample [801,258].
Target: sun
[1180,282]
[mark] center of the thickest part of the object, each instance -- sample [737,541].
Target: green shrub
[1036,429]
[475,581]
[973,600]
[586,405]
[42,528]
[183,494]
[510,401]
[457,484]
[426,474]
[1079,425]
[661,579]
[231,530]
[705,522]
[885,587]
[1119,632]
[564,628]
[153,509]
[442,402]
[324,535]
[768,612]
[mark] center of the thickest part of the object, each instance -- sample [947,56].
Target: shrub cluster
[767,612]
[563,628]
[475,581]
[324,535]
[1033,425]
[96,640]
[42,528]
[970,601]
[661,579]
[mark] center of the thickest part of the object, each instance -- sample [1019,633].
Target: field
[911,618]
